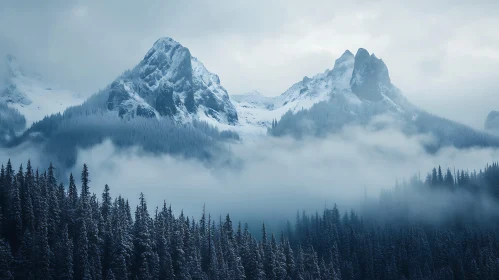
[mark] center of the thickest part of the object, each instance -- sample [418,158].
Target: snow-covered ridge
[31,95]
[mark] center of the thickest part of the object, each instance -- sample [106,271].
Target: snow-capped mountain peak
[172,83]
[344,60]
[167,60]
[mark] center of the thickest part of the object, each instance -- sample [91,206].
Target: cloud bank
[277,176]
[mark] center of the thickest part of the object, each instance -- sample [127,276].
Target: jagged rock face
[492,121]
[170,82]
[370,76]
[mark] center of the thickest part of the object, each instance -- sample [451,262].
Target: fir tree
[6,260]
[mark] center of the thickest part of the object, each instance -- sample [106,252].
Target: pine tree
[5,261]
[449,179]
[300,265]
[110,275]
[106,204]
[94,240]
[64,256]
[290,260]
[142,238]
[440,178]
[14,226]
[254,269]
[25,257]
[268,256]
[3,198]
[53,211]
[27,190]
[434,177]
[178,253]
[85,189]
[72,208]
[281,267]
[82,266]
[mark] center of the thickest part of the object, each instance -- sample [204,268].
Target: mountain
[33,97]
[357,91]
[168,104]
[170,82]
[353,81]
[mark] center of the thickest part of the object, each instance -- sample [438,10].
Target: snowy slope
[33,97]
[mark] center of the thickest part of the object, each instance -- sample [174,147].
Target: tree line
[49,231]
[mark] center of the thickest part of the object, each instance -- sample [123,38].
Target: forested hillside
[329,117]
[49,231]
[59,136]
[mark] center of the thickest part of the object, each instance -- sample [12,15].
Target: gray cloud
[443,54]
[278,176]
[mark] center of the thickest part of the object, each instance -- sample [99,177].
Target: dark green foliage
[71,236]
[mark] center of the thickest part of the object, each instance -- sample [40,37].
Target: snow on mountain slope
[256,112]
[33,97]
[256,99]
[170,82]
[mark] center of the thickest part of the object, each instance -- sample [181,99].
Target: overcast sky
[444,55]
